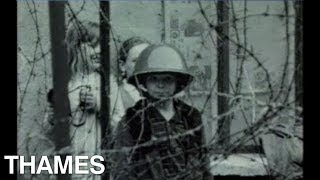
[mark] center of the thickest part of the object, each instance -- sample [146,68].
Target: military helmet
[161,59]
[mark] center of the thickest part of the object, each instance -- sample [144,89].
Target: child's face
[133,54]
[94,56]
[161,86]
[91,55]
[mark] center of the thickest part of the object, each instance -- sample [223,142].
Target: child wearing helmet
[160,137]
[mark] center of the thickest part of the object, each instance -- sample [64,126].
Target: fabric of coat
[149,147]
[85,129]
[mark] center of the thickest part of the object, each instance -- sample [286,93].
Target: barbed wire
[242,53]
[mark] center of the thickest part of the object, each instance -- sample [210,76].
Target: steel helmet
[161,59]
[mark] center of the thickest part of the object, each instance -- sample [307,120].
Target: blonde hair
[79,33]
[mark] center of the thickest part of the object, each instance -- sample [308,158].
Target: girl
[83,47]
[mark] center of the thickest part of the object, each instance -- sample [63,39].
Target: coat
[149,147]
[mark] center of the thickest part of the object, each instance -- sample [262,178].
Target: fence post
[299,55]
[60,79]
[223,71]
[105,74]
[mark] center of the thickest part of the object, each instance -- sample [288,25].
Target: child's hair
[128,44]
[79,33]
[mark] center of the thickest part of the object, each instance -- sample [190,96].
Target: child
[83,48]
[127,95]
[84,86]
[160,137]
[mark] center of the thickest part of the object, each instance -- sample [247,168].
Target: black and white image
[184,89]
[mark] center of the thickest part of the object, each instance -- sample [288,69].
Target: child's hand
[87,99]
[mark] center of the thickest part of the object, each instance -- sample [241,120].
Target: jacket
[149,147]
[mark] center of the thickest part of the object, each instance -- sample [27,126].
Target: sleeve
[117,110]
[123,142]
[199,155]
[205,157]
[73,96]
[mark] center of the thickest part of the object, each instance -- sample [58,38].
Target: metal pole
[163,12]
[299,55]
[105,74]
[60,78]
[223,71]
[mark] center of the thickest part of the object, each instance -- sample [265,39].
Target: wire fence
[260,111]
